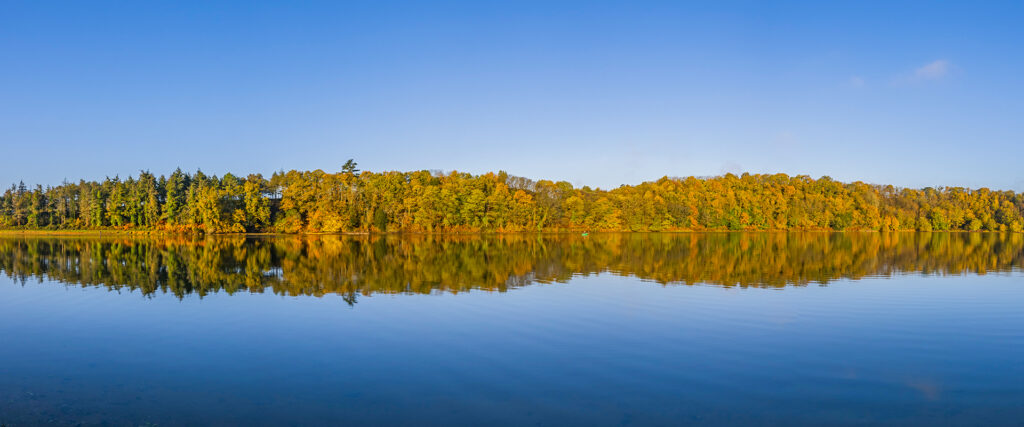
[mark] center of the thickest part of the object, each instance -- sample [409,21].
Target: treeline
[362,265]
[425,201]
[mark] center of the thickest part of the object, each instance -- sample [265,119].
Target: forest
[351,201]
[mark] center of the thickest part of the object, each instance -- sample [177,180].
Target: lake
[524,329]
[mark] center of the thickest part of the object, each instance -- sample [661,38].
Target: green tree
[350,167]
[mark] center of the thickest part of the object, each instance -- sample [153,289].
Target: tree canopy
[430,201]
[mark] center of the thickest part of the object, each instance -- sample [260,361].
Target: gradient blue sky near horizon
[913,94]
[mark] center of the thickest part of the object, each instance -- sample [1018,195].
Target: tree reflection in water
[363,265]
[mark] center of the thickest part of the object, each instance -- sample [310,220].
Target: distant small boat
[585,234]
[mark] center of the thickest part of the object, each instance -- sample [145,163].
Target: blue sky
[594,93]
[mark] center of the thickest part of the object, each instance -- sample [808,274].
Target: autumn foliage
[425,201]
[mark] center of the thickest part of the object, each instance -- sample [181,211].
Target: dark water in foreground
[724,328]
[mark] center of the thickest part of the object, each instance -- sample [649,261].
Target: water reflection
[361,265]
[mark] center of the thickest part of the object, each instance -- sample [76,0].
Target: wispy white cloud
[937,70]
[934,70]
[856,81]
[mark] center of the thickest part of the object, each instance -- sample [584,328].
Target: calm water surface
[720,328]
